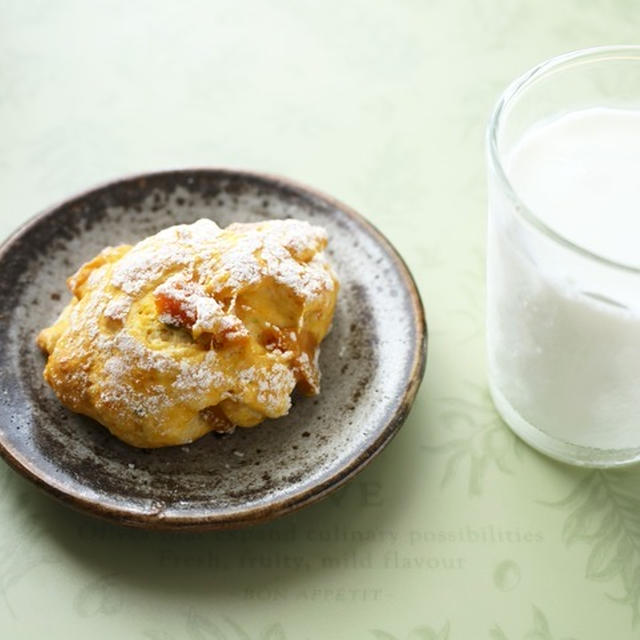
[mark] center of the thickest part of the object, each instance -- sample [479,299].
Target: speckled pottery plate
[372,362]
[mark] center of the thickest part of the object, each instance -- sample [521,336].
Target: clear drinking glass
[563,323]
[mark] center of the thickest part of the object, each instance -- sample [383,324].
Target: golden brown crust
[191,319]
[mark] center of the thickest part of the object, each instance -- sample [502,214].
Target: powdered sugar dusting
[280,249]
[172,247]
[118,308]
[186,304]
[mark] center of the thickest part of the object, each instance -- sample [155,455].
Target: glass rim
[513,91]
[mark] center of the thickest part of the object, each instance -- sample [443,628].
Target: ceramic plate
[372,362]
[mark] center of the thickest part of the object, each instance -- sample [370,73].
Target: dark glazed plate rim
[309,495]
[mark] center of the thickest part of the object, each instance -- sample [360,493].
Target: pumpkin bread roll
[194,329]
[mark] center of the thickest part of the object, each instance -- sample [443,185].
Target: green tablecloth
[457,531]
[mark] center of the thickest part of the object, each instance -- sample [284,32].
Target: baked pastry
[194,329]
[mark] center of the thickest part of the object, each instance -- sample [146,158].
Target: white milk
[581,175]
[564,331]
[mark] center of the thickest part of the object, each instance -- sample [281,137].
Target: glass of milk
[563,257]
